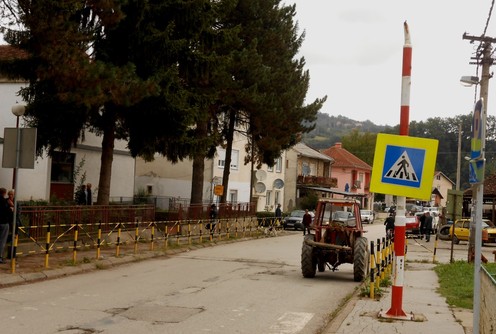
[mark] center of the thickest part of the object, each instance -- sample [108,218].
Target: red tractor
[337,238]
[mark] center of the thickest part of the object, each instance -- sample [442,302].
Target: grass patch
[456,282]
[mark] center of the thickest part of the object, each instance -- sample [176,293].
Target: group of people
[425,225]
[6,217]
[84,195]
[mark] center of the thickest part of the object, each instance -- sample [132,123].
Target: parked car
[295,220]
[368,216]
[462,230]
[412,226]
[345,217]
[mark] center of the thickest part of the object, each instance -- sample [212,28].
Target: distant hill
[329,130]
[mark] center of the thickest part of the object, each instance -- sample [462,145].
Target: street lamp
[469,80]
[18,110]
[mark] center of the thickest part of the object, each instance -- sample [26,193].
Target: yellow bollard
[152,240]
[378,264]
[435,248]
[372,267]
[189,233]
[13,255]
[99,241]
[47,247]
[74,249]
[118,246]
[136,237]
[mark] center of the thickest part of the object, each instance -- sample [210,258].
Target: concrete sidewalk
[431,313]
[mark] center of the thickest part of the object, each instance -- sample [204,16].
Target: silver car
[295,220]
[368,216]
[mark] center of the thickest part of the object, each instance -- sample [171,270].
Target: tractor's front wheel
[308,262]
[360,259]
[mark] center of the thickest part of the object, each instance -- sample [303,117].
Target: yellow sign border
[424,191]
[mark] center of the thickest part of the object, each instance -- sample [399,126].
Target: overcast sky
[353,50]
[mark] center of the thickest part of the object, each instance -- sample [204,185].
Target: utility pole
[478,164]
[486,63]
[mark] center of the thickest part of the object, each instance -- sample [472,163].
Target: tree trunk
[197,180]
[198,168]
[228,158]
[106,162]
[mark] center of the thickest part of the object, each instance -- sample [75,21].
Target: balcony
[317,181]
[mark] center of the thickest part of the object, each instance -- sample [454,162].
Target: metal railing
[76,236]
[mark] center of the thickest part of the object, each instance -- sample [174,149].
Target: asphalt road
[252,286]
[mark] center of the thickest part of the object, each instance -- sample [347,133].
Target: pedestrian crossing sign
[404,166]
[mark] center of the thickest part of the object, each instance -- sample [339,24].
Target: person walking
[428,226]
[389,223]
[307,220]
[5,213]
[278,219]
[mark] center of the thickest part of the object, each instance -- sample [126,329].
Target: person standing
[4,221]
[307,220]
[422,226]
[213,217]
[89,195]
[81,195]
[428,226]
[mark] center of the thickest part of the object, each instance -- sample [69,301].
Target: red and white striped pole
[396,310]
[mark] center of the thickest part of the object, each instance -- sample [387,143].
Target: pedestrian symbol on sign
[402,169]
[403,166]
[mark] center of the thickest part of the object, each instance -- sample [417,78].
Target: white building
[52,176]
[162,178]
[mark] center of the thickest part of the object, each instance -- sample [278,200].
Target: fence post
[99,240]
[136,235]
[189,233]
[47,250]
[378,263]
[152,240]
[372,273]
[118,245]
[74,249]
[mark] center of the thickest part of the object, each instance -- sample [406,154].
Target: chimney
[338,145]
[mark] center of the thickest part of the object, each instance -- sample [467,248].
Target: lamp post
[18,110]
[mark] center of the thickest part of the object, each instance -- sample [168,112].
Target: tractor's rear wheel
[308,262]
[360,259]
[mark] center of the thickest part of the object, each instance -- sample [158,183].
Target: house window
[63,167]
[277,197]
[270,169]
[234,159]
[268,198]
[279,165]
[233,196]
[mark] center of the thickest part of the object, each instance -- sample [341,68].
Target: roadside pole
[396,310]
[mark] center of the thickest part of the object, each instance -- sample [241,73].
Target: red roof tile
[344,159]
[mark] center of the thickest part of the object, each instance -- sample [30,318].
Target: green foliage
[309,201]
[456,283]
